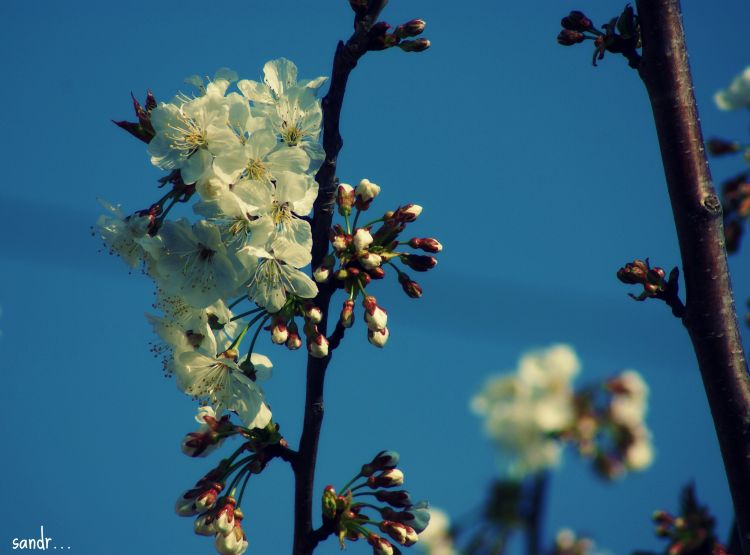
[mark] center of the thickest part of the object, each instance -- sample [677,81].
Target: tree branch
[709,313]
[345,60]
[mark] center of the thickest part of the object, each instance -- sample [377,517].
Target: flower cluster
[532,413]
[213,500]
[568,543]
[400,519]
[249,156]
[364,253]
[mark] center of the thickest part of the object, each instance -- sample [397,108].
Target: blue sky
[540,175]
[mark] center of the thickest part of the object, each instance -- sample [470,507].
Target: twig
[534,516]
[709,313]
[344,61]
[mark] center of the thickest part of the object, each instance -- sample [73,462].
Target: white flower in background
[122,234]
[737,95]
[292,107]
[436,539]
[629,399]
[274,273]
[193,263]
[219,380]
[524,409]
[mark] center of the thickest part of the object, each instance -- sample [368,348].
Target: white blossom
[737,95]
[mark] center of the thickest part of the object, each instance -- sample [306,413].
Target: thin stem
[534,528]
[710,316]
[248,313]
[255,336]
[356,218]
[242,489]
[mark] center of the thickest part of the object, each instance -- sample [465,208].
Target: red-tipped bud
[376,273]
[370,260]
[411,288]
[410,28]
[719,147]
[427,244]
[365,192]
[378,338]
[224,519]
[387,479]
[576,21]
[293,341]
[379,545]
[384,460]
[569,38]
[401,533]
[375,316]
[347,314]
[312,313]
[362,239]
[407,213]
[329,503]
[317,346]
[398,498]
[419,262]
[279,332]
[207,499]
[345,198]
[418,45]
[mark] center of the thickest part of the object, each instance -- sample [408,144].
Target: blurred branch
[534,521]
[344,61]
[709,313]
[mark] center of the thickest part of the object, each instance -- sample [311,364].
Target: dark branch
[345,60]
[709,313]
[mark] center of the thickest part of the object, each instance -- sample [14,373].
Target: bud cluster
[399,519]
[621,35]
[284,329]
[690,533]
[640,272]
[211,500]
[381,36]
[363,253]
[609,425]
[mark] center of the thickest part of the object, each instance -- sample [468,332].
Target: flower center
[256,170]
[187,136]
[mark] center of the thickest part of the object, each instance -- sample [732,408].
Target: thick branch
[345,60]
[709,314]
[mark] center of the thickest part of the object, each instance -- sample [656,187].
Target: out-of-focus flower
[525,410]
[436,538]
[737,94]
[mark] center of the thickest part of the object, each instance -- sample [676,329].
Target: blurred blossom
[436,538]
[737,95]
[568,543]
[524,411]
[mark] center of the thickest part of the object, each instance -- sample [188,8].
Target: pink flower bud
[387,479]
[232,543]
[411,288]
[379,545]
[318,346]
[419,262]
[376,273]
[376,319]
[204,525]
[408,213]
[418,45]
[362,239]
[207,500]
[401,533]
[312,313]
[370,260]
[347,314]
[224,520]
[410,28]
[294,341]
[345,199]
[322,274]
[427,244]
[365,192]
[378,338]
[279,333]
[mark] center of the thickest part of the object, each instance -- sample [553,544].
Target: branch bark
[344,61]
[709,314]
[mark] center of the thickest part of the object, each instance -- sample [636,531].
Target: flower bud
[719,147]
[416,517]
[427,244]
[232,543]
[312,313]
[376,273]
[419,262]
[207,499]
[418,45]
[401,533]
[411,288]
[576,21]
[407,214]
[293,342]
[386,479]
[378,337]
[329,503]
[410,29]
[318,346]
[279,333]
[204,525]
[379,545]
[365,192]
[362,239]
[322,274]
[345,199]
[384,460]
[224,519]
[398,498]
[347,314]
[376,317]
[370,260]
[569,38]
